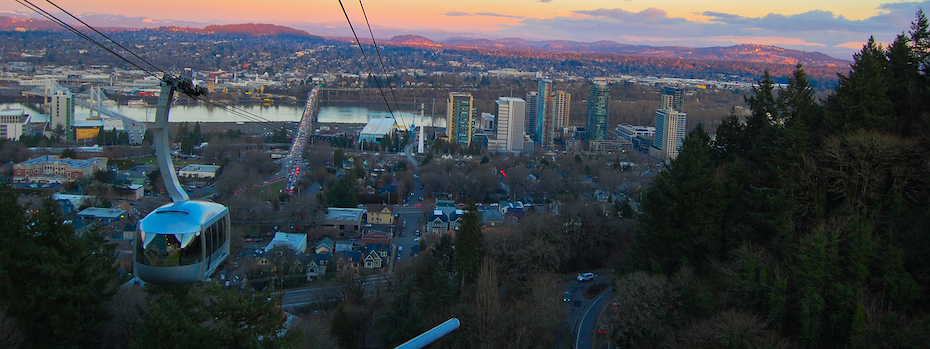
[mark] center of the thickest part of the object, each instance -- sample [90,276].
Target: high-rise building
[598,102]
[510,115]
[561,101]
[61,113]
[672,98]
[543,110]
[670,133]
[532,108]
[460,118]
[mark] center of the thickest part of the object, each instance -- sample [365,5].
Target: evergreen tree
[861,98]
[196,136]
[468,244]
[53,281]
[338,157]
[680,221]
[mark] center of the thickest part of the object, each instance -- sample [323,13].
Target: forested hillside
[804,224]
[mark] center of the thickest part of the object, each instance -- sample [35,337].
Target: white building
[511,114]
[670,133]
[628,132]
[376,129]
[11,123]
[296,242]
[199,171]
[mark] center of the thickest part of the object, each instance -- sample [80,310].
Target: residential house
[437,223]
[316,265]
[380,214]
[376,238]
[373,260]
[444,220]
[348,260]
[344,246]
[325,246]
[492,217]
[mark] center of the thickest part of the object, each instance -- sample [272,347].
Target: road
[582,313]
[584,335]
[413,215]
[299,297]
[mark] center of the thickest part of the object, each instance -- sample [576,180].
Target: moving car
[585,277]
[567,297]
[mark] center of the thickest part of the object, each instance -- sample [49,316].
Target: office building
[672,98]
[670,133]
[598,103]
[12,122]
[61,114]
[561,101]
[532,102]
[510,115]
[543,113]
[459,118]
[628,132]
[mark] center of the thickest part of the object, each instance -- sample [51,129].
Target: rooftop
[58,160]
[344,214]
[200,168]
[99,212]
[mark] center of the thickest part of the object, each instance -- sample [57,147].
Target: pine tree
[55,281]
[861,98]
[196,136]
[468,244]
[680,224]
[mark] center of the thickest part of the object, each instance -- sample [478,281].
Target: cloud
[815,30]
[491,14]
[457,13]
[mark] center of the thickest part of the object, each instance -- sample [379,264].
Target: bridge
[295,158]
[94,100]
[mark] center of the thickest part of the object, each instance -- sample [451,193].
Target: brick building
[53,169]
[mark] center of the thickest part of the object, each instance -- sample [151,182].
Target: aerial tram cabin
[185,241]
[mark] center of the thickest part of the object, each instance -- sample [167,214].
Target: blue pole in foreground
[431,336]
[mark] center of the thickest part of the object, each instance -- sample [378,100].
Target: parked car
[586,277]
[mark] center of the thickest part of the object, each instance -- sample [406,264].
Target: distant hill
[740,53]
[10,23]
[257,29]
[412,40]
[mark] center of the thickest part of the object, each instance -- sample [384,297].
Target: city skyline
[837,28]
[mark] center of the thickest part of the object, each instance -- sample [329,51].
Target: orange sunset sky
[835,27]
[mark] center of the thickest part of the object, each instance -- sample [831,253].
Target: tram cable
[370,69]
[383,69]
[225,106]
[107,37]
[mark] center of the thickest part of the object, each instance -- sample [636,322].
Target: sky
[835,27]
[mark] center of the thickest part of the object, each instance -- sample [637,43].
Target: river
[276,113]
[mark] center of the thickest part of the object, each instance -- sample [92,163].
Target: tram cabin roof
[180,218]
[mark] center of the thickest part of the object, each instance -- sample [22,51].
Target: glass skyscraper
[598,102]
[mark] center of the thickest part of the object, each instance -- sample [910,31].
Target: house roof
[325,242]
[376,208]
